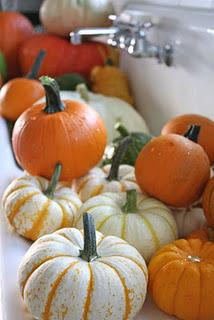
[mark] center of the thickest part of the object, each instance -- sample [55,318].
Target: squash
[35,207]
[110,109]
[205,234]
[189,219]
[181,279]
[110,178]
[173,168]
[68,132]
[145,223]
[111,81]
[66,275]
[208,202]
[15,28]
[79,59]
[69,81]
[19,94]
[180,124]
[138,141]
[62,17]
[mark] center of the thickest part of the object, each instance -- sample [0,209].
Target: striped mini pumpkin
[32,213]
[97,181]
[67,276]
[144,222]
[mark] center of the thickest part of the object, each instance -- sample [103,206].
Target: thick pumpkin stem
[53,101]
[117,158]
[33,74]
[89,252]
[131,201]
[54,180]
[211,233]
[83,91]
[193,133]
[121,129]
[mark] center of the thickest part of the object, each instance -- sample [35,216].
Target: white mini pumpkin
[111,110]
[67,276]
[144,222]
[34,207]
[189,219]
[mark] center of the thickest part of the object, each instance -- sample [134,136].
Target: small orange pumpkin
[173,169]
[208,202]
[180,125]
[19,94]
[205,234]
[67,132]
[181,279]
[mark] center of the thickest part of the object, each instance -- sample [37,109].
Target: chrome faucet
[129,33]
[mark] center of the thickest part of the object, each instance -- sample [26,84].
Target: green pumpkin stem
[33,74]
[54,180]
[121,129]
[117,158]
[193,133]
[53,101]
[131,201]
[89,252]
[211,233]
[83,91]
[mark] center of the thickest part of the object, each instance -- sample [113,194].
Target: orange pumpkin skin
[181,279]
[173,169]
[14,29]
[180,125]
[208,202]
[17,95]
[75,137]
[204,234]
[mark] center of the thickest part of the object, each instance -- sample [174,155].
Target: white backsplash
[163,92]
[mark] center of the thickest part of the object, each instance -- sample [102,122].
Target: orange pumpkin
[14,29]
[205,234]
[66,132]
[181,279]
[208,202]
[173,169]
[180,124]
[19,94]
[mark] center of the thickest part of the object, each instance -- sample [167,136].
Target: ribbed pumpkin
[181,279]
[110,178]
[35,207]
[18,94]
[208,202]
[180,125]
[67,276]
[144,222]
[205,234]
[173,168]
[68,132]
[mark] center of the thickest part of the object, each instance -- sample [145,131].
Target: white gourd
[67,276]
[144,222]
[63,16]
[111,111]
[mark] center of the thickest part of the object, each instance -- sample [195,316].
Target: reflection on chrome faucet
[129,33]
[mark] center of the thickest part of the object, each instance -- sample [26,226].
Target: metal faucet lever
[129,33]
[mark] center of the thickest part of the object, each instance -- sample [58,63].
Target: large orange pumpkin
[181,124]
[173,168]
[18,94]
[208,202]
[14,29]
[66,132]
[205,234]
[181,279]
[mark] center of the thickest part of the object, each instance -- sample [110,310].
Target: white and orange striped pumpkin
[35,209]
[144,222]
[66,275]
